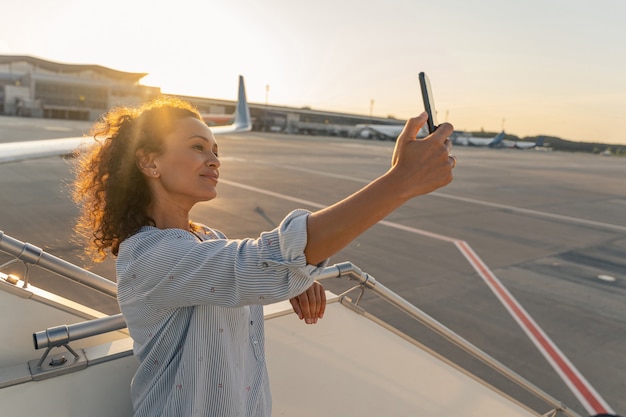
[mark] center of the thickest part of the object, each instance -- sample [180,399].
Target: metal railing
[366,281]
[30,254]
[62,335]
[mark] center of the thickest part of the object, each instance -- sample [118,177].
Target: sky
[532,67]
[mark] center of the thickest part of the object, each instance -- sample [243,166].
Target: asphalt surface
[550,225]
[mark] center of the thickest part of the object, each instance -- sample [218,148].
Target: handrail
[352,272]
[62,335]
[28,253]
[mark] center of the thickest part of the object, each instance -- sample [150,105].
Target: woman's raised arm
[418,167]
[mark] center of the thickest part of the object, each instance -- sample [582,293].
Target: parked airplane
[497,141]
[493,142]
[383,132]
[528,145]
[18,151]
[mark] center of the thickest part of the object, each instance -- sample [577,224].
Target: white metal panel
[102,390]
[26,311]
[348,365]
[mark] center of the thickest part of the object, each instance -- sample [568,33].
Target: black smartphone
[429,104]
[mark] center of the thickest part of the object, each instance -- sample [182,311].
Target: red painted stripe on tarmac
[588,397]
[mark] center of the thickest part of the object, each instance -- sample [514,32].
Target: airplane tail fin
[540,140]
[242,121]
[497,140]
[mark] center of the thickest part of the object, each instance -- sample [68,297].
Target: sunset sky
[535,67]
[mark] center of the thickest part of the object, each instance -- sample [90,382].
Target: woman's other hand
[310,305]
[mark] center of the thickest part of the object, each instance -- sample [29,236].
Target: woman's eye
[198,146]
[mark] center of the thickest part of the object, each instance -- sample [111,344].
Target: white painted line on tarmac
[532,212]
[607,278]
[273,194]
[507,207]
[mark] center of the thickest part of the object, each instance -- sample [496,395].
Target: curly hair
[110,190]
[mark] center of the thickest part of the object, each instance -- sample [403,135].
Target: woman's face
[188,168]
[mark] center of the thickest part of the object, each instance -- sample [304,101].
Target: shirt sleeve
[171,268]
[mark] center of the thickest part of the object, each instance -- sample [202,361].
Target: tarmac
[550,226]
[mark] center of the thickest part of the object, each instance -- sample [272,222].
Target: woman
[192,298]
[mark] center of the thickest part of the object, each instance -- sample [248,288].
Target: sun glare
[331,57]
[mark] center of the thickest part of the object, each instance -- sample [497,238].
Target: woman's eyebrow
[198,136]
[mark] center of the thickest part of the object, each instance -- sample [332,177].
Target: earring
[154,172]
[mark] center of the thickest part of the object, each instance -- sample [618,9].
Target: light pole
[267,94]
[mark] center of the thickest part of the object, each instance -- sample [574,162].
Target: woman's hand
[423,165]
[310,305]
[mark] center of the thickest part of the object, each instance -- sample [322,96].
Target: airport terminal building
[34,87]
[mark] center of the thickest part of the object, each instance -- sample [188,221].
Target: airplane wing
[20,151]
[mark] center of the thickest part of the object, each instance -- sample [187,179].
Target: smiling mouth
[210,177]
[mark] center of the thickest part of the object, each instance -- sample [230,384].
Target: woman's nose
[213,161]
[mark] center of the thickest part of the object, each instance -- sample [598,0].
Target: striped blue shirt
[194,310]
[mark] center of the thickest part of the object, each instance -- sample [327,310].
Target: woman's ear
[145,163]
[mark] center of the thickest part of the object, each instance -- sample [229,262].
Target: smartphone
[429,104]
